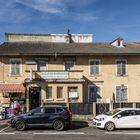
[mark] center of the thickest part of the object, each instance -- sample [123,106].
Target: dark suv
[57,117]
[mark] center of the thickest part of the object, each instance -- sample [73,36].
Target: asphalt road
[78,131]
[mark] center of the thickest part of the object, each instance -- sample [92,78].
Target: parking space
[77,128]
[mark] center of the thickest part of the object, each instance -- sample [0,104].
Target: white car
[118,118]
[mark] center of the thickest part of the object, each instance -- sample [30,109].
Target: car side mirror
[119,116]
[30,114]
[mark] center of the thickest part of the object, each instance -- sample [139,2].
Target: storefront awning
[9,88]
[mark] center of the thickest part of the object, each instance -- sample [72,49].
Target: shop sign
[54,75]
[73,94]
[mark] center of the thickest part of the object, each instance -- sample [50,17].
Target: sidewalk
[4,122]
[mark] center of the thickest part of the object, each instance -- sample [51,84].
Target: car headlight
[101,119]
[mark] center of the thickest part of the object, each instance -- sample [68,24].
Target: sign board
[54,75]
[73,94]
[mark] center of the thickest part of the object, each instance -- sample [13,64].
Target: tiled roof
[44,48]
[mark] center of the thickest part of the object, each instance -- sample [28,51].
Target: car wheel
[58,125]
[20,125]
[109,126]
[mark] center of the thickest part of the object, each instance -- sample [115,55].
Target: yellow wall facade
[107,79]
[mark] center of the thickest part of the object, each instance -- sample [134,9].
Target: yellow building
[61,68]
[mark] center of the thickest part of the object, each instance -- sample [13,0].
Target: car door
[125,119]
[49,115]
[136,118]
[35,117]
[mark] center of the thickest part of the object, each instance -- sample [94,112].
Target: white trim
[10,69]
[99,60]
[127,91]
[116,65]
[100,86]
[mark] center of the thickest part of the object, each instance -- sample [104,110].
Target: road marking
[4,129]
[123,133]
[7,133]
[58,133]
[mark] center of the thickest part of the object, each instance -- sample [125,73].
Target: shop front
[12,98]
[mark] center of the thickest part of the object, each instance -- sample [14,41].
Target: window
[41,65]
[58,110]
[15,66]
[94,93]
[119,43]
[37,110]
[59,92]
[127,113]
[69,65]
[94,67]
[137,112]
[121,67]
[49,92]
[49,110]
[73,92]
[121,93]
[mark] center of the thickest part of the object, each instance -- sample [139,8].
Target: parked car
[118,118]
[54,116]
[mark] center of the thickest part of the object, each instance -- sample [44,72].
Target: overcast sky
[105,19]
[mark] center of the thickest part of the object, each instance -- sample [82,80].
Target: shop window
[49,92]
[59,92]
[15,67]
[5,95]
[73,94]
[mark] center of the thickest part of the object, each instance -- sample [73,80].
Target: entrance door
[35,97]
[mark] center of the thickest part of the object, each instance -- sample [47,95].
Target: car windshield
[113,112]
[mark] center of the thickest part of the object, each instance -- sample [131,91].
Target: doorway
[34,97]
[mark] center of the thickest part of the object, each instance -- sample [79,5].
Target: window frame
[121,67]
[10,66]
[99,67]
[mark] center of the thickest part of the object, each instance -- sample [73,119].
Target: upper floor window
[69,65]
[41,65]
[121,67]
[94,67]
[15,67]
[121,93]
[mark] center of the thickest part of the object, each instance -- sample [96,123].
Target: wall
[49,37]
[107,79]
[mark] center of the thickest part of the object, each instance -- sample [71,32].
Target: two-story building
[64,68]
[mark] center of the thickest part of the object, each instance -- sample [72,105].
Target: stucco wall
[107,79]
